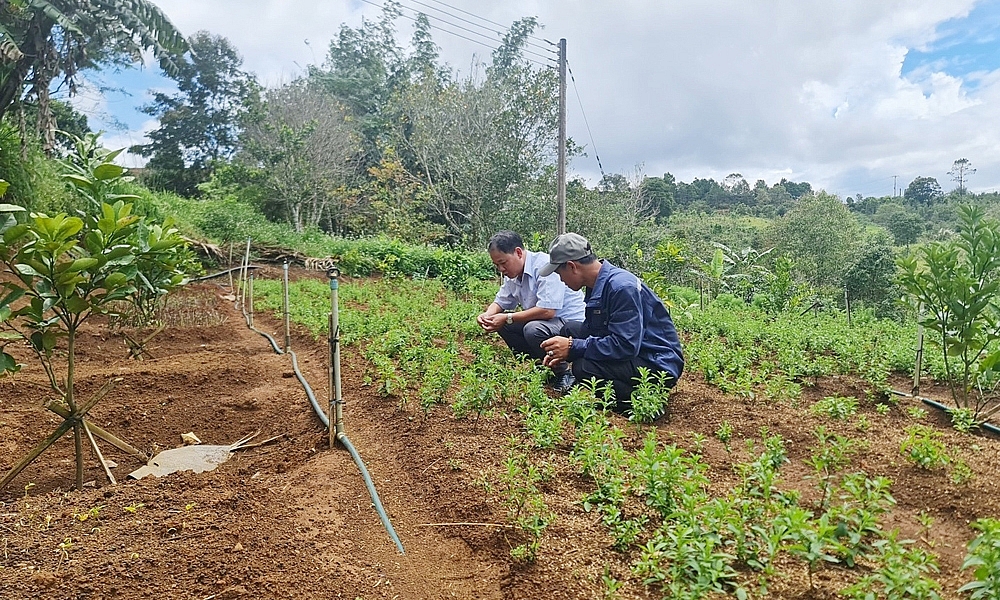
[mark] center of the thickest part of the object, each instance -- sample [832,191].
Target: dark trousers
[526,338]
[621,374]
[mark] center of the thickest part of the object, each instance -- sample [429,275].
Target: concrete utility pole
[561,185]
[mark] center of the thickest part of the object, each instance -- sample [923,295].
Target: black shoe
[564,382]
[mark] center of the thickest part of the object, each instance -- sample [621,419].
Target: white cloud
[804,90]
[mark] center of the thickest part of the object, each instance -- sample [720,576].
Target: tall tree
[821,234]
[299,145]
[199,124]
[479,143]
[960,171]
[903,223]
[660,191]
[923,191]
[41,40]
[364,69]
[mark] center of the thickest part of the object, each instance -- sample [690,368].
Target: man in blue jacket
[626,326]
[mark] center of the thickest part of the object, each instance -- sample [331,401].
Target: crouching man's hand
[492,323]
[556,350]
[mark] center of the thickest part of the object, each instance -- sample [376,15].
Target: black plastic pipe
[935,404]
[340,435]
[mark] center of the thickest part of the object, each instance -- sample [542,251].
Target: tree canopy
[199,124]
[42,40]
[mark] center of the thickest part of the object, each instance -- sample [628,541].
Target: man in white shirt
[546,303]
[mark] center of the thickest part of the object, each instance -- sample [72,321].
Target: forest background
[383,141]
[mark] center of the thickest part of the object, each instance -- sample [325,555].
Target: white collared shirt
[529,290]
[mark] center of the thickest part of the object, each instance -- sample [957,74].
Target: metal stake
[336,414]
[288,336]
[250,298]
[920,353]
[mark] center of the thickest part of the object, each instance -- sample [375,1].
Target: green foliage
[91,172]
[963,419]
[725,433]
[923,446]
[902,574]
[781,292]
[923,191]
[198,123]
[871,278]
[43,40]
[836,407]
[984,558]
[73,267]
[822,235]
[525,504]
[650,395]
[903,224]
[956,283]
[829,458]
[745,351]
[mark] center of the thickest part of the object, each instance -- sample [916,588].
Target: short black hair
[586,260]
[505,241]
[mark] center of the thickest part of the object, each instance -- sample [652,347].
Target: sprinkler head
[333,272]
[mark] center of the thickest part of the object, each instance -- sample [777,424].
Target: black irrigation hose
[274,345]
[342,437]
[935,404]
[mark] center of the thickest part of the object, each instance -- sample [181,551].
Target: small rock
[111,464]
[190,439]
[238,547]
[91,483]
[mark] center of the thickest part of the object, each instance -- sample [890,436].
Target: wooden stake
[100,457]
[35,452]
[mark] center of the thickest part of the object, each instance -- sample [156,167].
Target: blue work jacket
[626,320]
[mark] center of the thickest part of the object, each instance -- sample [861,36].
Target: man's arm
[534,314]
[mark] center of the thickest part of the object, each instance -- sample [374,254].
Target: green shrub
[836,407]
[923,447]
[984,558]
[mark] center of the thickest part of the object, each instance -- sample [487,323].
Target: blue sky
[963,47]
[845,95]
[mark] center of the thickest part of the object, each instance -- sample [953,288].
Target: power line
[439,28]
[592,142]
[487,20]
[473,23]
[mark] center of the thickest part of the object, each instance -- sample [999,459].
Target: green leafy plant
[923,446]
[836,407]
[902,574]
[724,433]
[811,539]
[829,457]
[963,419]
[650,395]
[67,269]
[984,558]
[957,284]
[961,472]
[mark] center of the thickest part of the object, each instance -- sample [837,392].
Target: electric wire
[473,23]
[585,122]
[487,20]
[439,28]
